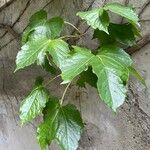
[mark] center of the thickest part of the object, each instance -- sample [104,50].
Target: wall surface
[129,129]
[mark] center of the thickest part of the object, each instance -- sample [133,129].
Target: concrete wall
[129,129]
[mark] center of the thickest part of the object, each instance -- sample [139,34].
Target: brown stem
[52,79]
[73,26]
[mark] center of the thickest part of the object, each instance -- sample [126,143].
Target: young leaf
[33,104]
[39,38]
[30,51]
[137,75]
[110,66]
[53,26]
[61,123]
[97,19]
[124,11]
[39,18]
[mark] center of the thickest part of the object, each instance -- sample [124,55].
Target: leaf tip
[106,30]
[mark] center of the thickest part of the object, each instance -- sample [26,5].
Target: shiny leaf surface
[124,11]
[53,26]
[31,51]
[40,38]
[97,19]
[33,104]
[61,123]
[110,66]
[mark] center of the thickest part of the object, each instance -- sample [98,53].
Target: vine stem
[63,96]
[69,36]
[72,26]
[52,79]
[73,36]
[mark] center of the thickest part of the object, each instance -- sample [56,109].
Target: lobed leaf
[53,26]
[75,64]
[108,69]
[110,66]
[37,19]
[124,11]
[61,123]
[39,38]
[97,19]
[32,50]
[33,104]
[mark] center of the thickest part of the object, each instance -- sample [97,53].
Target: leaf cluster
[107,68]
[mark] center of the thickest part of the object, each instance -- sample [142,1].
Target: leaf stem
[73,26]
[52,79]
[62,99]
[69,36]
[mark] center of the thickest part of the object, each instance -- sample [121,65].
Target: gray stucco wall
[129,129]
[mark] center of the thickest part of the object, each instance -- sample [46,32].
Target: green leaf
[87,77]
[53,26]
[103,37]
[56,25]
[110,66]
[137,75]
[31,50]
[61,123]
[97,19]
[75,64]
[124,11]
[50,28]
[59,51]
[121,33]
[37,19]
[33,104]
[39,38]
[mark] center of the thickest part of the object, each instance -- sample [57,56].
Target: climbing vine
[107,68]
